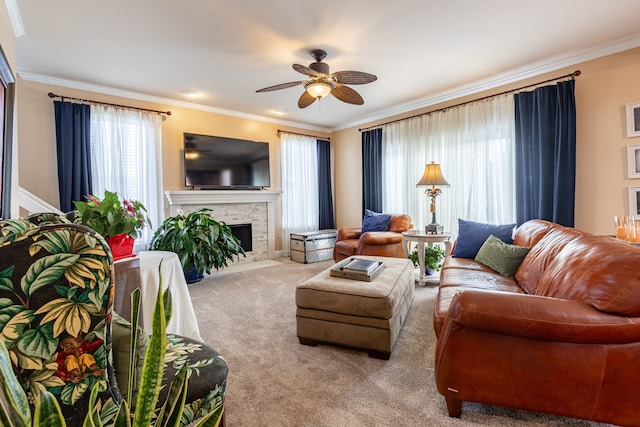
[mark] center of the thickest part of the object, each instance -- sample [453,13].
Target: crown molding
[14,17]
[106,90]
[532,70]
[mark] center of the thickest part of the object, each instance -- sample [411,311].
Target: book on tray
[361,266]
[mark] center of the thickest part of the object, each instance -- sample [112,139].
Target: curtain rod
[53,95]
[303,134]
[570,75]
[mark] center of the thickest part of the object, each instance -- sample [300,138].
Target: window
[126,157]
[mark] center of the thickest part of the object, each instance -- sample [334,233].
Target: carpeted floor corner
[248,315]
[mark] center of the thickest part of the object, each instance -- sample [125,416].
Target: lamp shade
[432,176]
[318,89]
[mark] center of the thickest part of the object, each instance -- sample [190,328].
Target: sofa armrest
[540,318]
[346,233]
[380,238]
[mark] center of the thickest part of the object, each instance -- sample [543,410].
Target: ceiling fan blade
[280,86]
[354,77]
[307,71]
[305,100]
[346,94]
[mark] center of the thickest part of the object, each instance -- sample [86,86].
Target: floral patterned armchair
[56,298]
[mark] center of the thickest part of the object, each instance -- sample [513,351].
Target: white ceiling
[423,51]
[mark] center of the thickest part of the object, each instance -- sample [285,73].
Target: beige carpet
[248,315]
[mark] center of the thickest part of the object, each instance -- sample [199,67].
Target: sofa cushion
[541,254]
[471,236]
[595,270]
[530,233]
[374,221]
[399,223]
[501,257]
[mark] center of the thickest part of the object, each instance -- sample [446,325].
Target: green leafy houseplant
[201,242]
[433,257]
[112,215]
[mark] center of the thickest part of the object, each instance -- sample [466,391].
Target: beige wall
[602,90]
[7,38]
[8,43]
[37,146]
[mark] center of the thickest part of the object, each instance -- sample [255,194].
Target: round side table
[420,238]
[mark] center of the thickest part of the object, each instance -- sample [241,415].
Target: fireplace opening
[243,234]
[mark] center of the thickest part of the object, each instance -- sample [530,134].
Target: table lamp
[432,176]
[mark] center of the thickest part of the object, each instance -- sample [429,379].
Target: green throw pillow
[500,256]
[121,341]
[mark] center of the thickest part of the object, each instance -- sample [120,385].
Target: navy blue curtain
[325,193]
[73,131]
[545,121]
[372,170]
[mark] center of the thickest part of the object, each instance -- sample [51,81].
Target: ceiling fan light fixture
[318,89]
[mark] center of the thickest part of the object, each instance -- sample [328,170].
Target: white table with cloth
[183,317]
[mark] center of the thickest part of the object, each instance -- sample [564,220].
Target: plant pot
[121,246]
[429,272]
[191,275]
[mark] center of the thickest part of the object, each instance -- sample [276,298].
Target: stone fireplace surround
[256,207]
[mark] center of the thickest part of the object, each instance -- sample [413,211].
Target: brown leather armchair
[351,241]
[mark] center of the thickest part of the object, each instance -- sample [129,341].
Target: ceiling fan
[323,83]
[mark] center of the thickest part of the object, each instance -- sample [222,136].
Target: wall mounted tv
[216,162]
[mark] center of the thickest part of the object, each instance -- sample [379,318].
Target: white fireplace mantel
[179,200]
[212,197]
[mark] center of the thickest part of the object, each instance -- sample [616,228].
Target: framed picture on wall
[633,161]
[7,83]
[633,119]
[634,201]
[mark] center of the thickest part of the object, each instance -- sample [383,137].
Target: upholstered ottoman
[366,315]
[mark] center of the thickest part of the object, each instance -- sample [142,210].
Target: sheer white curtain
[299,163]
[126,156]
[474,145]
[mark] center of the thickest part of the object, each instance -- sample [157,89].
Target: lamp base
[434,229]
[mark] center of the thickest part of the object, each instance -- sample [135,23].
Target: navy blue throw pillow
[471,236]
[374,221]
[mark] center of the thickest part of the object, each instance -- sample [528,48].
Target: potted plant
[119,220]
[433,257]
[201,242]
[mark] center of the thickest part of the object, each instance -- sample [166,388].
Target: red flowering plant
[111,216]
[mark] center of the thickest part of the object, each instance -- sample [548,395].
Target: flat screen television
[217,162]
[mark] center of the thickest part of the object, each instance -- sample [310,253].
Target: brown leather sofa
[562,337]
[351,241]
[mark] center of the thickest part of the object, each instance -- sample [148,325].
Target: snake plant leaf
[92,419]
[153,367]
[168,304]
[47,412]
[14,405]
[212,419]
[123,416]
[174,406]
[135,314]
[45,271]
